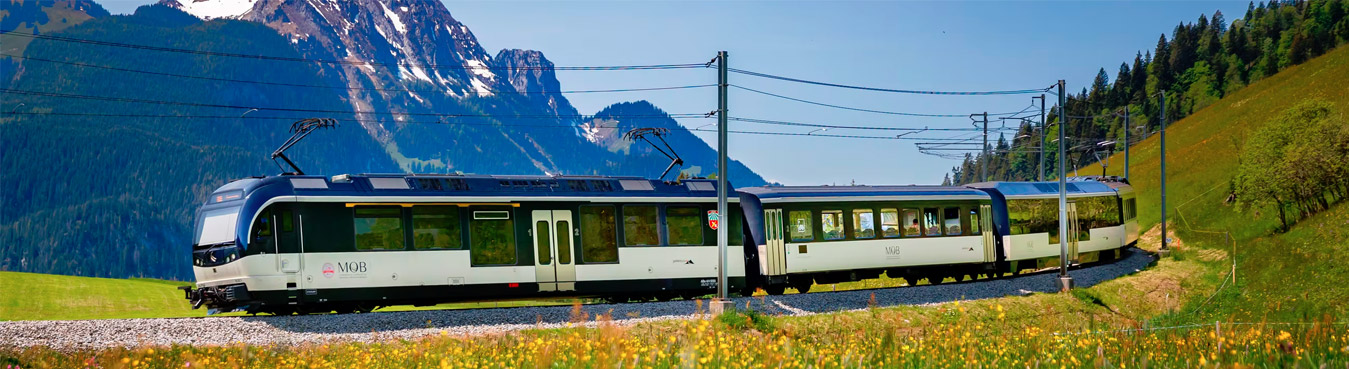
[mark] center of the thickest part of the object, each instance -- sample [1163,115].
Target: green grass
[1296,275]
[29,296]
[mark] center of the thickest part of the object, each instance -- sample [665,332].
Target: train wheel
[935,279]
[911,280]
[775,290]
[803,286]
[662,297]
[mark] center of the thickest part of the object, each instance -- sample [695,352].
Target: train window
[436,227]
[974,221]
[639,226]
[491,237]
[735,235]
[1030,216]
[890,223]
[951,218]
[599,234]
[563,242]
[263,226]
[931,225]
[262,232]
[911,226]
[684,225]
[379,228]
[831,224]
[800,226]
[863,224]
[287,221]
[545,252]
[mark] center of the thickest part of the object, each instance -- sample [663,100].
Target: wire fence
[1217,325]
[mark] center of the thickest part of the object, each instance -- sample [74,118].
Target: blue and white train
[353,243]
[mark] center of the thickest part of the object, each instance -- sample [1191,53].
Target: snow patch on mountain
[211,9]
[393,17]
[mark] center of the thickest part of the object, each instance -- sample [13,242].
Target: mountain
[107,187]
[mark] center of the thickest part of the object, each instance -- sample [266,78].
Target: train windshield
[217,226]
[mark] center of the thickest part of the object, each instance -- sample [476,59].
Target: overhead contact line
[891,90]
[345,62]
[174,75]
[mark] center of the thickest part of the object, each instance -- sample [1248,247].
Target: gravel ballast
[283,330]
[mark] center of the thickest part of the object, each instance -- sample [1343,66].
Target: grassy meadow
[30,296]
[1295,275]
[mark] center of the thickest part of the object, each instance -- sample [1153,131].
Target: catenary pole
[1043,127]
[1127,128]
[983,171]
[1164,250]
[1065,281]
[722,212]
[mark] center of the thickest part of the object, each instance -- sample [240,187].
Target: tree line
[1200,63]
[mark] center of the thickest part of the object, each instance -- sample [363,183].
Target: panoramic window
[863,224]
[975,221]
[684,225]
[639,226]
[1029,216]
[379,228]
[491,237]
[800,226]
[599,234]
[911,226]
[831,224]
[951,218]
[889,223]
[931,225]
[436,227]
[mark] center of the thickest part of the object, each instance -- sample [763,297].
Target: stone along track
[91,334]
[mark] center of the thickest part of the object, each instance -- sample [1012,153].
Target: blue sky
[959,46]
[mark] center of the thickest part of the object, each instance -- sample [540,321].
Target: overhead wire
[880,89]
[856,109]
[346,62]
[302,110]
[175,75]
[230,117]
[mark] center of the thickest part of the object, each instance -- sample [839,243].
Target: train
[299,244]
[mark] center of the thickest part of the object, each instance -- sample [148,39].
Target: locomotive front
[220,253]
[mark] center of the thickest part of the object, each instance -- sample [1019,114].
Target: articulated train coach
[348,243]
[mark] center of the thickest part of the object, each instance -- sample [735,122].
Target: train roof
[1045,189]
[771,194]
[514,186]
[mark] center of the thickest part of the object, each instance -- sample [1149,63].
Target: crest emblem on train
[328,270]
[713,218]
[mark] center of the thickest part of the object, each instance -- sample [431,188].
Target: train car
[1026,223]
[300,244]
[828,234]
[1128,203]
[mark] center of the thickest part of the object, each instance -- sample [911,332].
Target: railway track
[378,326]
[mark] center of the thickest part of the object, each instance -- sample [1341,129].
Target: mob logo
[352,267]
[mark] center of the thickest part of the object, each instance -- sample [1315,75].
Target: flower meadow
[879,338]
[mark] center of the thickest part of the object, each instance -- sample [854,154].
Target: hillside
[1291,272]
[99,185]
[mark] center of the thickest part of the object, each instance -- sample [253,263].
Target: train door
[986,227]
[773,255]
[1073,229]
[289,247]
[554,267]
